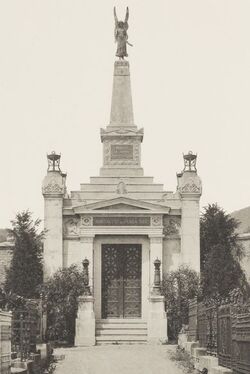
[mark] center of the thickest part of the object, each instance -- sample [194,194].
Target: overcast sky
[190,75]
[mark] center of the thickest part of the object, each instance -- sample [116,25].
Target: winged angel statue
[121,36]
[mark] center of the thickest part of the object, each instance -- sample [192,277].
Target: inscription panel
[121,152]
[121,221]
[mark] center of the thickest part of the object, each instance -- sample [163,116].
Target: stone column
[190,191]
[190,233]
[88,252]
[53,192]
[157,318]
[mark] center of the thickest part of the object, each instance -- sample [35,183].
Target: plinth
[157,320]
[85,322]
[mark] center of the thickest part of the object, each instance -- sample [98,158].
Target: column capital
[87,239]
[156,239]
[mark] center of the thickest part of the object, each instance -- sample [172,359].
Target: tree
[62,291]
[25,273]
[221,253]
[179,287]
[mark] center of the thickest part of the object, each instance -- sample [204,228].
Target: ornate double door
[121,280]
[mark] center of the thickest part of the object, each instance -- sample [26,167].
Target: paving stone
[124,359]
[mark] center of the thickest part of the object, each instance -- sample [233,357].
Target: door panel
[121,280]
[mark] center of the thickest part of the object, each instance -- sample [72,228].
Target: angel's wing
[115,16]
[127,15]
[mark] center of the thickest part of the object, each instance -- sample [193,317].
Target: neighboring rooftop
[6,241]
[243,216]
[3,235]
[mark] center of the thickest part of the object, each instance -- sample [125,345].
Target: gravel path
[121,359]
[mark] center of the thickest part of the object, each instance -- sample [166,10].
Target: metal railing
[225,332]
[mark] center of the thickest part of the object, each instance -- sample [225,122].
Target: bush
[179,287]
[184,359]
[62,291]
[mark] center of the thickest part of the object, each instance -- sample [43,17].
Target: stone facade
[121,205]
[244,240]
[6,253]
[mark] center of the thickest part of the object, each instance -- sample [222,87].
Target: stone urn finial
[157,278]
[85,264]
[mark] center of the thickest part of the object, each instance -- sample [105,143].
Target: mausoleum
[121,222]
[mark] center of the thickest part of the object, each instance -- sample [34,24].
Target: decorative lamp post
[190,161]
[157,278]
[85,264]
[54,161]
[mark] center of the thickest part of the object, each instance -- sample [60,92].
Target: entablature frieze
[116,230]
[113,220]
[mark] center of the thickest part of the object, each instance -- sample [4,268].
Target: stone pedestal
[182,339]
[221,370]
[208,362]
[189,347]
[157,320]
[197,353]
[85,322]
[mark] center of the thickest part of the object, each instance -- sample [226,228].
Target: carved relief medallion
[156,220]
[86,221]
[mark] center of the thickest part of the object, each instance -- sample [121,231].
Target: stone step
[121,338]
[121,342]
[103,195]
[125,326]
[115,180]
[123,332]
[87,187]
[18,370]
[121,320]
[121,323]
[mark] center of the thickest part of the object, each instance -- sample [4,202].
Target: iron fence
[207,328]
[234,338]
[225,332]
[225,336]
[192,320]
[23,334]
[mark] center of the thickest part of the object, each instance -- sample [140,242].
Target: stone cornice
[141,205]
[118,132]
[70,212]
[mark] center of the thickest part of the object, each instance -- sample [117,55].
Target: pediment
[122,204]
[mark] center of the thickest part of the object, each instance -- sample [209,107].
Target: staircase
[121,331]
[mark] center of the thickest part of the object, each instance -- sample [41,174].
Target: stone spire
[121,106]
[121,139]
